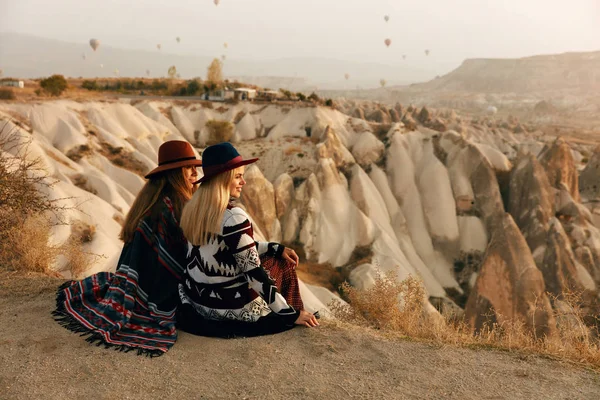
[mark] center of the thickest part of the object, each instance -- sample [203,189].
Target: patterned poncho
[133,308]
[224,279]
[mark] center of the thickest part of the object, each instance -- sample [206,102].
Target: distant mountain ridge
[28,56]
[567,71]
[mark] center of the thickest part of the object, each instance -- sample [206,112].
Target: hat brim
[227,168]
[180,164]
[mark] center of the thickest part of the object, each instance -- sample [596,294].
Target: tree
[54,85]
[215,71]
[193,87]
[301,96]
[314,97]
[286,93]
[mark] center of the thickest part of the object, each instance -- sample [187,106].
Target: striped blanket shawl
[133,308]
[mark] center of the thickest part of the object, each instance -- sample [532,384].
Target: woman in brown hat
[226,291]
[134,308]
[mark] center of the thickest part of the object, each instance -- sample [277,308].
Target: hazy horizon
[349,30]
[344,30]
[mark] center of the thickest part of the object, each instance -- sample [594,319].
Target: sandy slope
[40,359]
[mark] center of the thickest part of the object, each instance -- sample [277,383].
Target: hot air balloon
[347,76]
[387,18]
[178,76]
[404,56]
[148,72]
[83,56]
[382,82]
[225,45]
[387,42]
[158,46]
[178,39]
[223,57]
[426,52]
[491,110]
[116,72]
[216,2]
[172,71]
[94,43]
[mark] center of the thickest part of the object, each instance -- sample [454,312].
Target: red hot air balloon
[387,42]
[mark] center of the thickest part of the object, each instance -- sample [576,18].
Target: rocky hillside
[571,72]
[490,215]
[549,88]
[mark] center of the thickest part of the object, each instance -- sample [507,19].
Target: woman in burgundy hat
[226,291]
[134,308]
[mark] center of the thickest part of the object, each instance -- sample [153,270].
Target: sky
[352,30]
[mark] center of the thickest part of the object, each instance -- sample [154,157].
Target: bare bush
[379,308]
[27,213]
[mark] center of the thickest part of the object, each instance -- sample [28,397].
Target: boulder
[509,286]
[332,147]
[258,197]
[560,167]
[367,149]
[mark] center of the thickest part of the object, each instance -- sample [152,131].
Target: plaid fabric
[284,274]
[133,308]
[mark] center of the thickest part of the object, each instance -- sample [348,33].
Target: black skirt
[188,320]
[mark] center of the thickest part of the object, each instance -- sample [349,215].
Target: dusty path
[41,360]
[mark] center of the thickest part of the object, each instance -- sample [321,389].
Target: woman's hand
[306,319]
[290,255]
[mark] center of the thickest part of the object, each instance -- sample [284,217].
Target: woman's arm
[238,235]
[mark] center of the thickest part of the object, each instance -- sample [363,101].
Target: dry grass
[292,149]
[81,182]
[24,247]
[219,131]
[123,159]
[28,215]
[378,308]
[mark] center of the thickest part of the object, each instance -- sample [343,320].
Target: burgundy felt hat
[220,158]
[174,154]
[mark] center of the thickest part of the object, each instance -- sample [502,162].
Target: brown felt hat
[174,154]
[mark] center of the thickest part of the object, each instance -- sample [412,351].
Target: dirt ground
[40,359]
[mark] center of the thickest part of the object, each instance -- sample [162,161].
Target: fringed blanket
[133,308]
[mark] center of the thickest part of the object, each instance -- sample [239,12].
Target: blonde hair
[170,183]
[202,215]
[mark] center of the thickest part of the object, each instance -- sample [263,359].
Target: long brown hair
[170,183]
[203,214]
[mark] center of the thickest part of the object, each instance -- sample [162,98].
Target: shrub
[7,94]
[89,85]
[314,97]
[378,307]
[193,87]
[301,96]
[329,103]
[24,211]
[54,85]
[286,93]
[219,131]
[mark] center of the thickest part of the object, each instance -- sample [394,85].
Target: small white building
[12,83]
